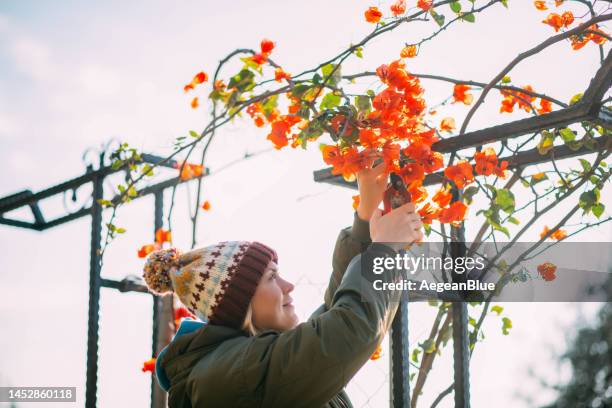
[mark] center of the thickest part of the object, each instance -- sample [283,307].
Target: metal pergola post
[399,365]
[94,294]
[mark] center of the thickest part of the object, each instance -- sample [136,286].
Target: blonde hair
[248,325]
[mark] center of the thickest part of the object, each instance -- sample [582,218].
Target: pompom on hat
[215,283]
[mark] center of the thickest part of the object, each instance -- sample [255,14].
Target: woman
[250,351]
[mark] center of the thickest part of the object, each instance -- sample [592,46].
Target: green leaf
[105,203]
[469,17]
[497,309]
[327,71]
[587,200]
[567,134]
[575,98]
[428,346]
[468,194]
[147,170]
[506,325]
[513,220]
[117,164]
[330,101]
[359,52]
[439,18]
[455,6]
[546,142]
[120,230]
[363,103]
[269,104]
[415,354]
[506,79]
[598,209]
[505,199]
[505,3]
[249,63]
[243,81]
[427,228]
[299,90]
[586,166]
[537,178]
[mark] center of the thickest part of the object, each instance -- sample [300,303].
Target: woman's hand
[372,182]
[401,225]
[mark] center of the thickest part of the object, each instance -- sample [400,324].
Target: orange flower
[266,46]
[149,365]
[554,20]
[259,59]
[429,213]
[461,173]
[279,74]
[162,235]
[579,41]
[409,51]
[199,78]
[523,99]
[194,103]
[460,94]
[206,205]
[278,136]
[280,129]
[417,192]
[447,124]
[545,106]
[507,104]
[370,138]
[373,15]
[453,214]
[547,271]
[412,172]
[219,85]
[568,18]
[331,154]
[146,250]
[558,3]
[356,201]
[398,8]
[179,314]
[422,154]
[338,123]
[443,197]
[433,162]
[377,353]
[559,234]
[424,4]
[486,161]
[189,170]
[500,171]
[540,5]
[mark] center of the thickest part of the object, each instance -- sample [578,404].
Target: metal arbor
[162,306]
[589,108]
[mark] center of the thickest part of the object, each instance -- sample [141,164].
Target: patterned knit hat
[215,283]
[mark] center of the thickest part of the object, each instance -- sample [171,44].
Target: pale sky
[74,75]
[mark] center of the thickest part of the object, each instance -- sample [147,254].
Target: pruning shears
[396,194]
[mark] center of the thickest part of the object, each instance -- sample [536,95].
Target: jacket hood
[192,341]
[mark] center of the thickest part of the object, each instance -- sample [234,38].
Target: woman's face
[272,306]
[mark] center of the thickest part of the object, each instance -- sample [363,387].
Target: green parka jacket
[308,366]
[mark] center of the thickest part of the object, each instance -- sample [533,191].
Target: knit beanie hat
[215,283]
